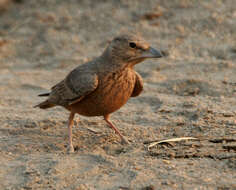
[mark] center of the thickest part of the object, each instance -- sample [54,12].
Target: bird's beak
[152,53]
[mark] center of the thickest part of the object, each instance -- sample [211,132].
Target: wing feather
[138,88]
[73,88]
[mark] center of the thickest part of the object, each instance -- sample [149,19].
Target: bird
[103,85]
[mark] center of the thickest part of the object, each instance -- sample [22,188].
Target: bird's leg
[76,122]
[123,139]
[70,125]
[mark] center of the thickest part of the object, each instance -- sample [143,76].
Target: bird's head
[131,49]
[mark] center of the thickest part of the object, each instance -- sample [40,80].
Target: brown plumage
[102,86]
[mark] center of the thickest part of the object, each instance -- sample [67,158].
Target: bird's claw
[70,149]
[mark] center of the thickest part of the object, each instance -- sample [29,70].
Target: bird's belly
[107,98]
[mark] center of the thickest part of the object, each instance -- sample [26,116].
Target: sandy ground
[190,93]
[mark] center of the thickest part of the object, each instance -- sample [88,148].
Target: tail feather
[45,105]
[44,94]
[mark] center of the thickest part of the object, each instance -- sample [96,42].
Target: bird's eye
[132,45]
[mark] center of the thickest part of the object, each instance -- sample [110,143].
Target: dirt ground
[189,94]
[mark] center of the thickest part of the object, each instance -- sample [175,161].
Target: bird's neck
[111,62]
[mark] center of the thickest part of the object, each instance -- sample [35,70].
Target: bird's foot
[124,141]
[70,149]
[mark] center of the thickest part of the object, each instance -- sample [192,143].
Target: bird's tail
[45,105]
[44,94]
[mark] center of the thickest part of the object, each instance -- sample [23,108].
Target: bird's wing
[74,87]
[138,88]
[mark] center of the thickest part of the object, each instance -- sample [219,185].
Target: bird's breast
[113,91]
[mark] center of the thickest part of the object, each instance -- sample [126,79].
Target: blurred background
[190,93]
